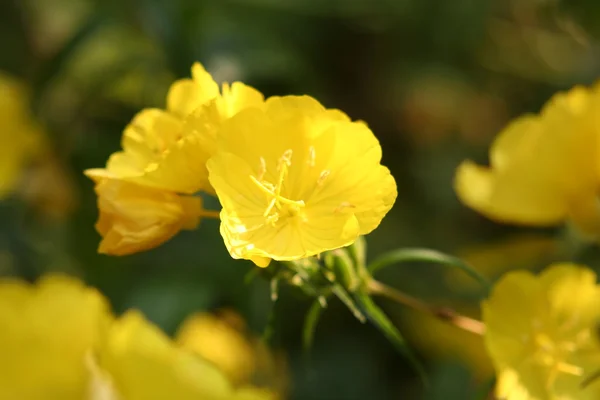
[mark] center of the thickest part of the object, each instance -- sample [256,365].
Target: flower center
[278,205]
[554,354]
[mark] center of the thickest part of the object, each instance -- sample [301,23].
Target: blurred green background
[434,79]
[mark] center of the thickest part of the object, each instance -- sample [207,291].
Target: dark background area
[434,79]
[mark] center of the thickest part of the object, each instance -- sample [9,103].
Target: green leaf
[310,324]
[378,318]
[427,255]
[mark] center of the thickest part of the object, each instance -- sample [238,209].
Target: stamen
[270,206]
[262,170]
[343,205]
[324,174]
[311,156]
[273,191]
[286,159]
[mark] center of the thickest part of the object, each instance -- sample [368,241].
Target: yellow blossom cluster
[293,178]
[59,340]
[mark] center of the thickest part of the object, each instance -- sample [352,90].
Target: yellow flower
[20,136]
[222,339]
[139,362]
[168,149]
[544,168]
[220,343]
[296,179]
[541,334]
[135,218]
[46,332]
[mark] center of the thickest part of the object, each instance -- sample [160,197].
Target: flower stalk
[445,314]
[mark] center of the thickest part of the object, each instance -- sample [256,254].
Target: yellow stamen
[324,174]
[343,205]
[277,201]
[311,156]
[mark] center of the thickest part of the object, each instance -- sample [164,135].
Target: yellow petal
[237,98]
[144,364]
[186,95]
[220,343]
[572,294]
[505,326]
[46,331]
[135,218]
[514,198]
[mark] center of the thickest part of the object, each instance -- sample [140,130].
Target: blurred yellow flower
[220,343]
[46,331]
[135,218]
[222,339]
[21,137]
[59,340]
[168,149]
[139,362]
[544,168]
[541,334]
[296,179]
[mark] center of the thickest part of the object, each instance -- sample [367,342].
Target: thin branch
[443,313]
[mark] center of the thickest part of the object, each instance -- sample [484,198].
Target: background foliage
[435,80]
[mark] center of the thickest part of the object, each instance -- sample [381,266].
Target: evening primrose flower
[544,168]
[135,218]
[168,149]
[139,362]
[295,179]
[46,331]
[20,135]
[541,334]
[220,343]
[223,340]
